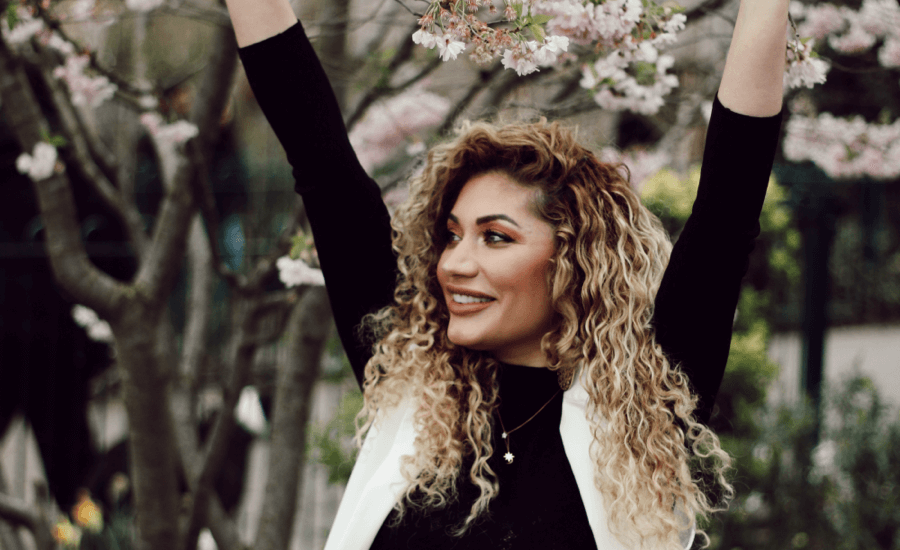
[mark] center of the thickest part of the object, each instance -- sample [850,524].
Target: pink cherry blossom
[820,20]
[172,134]
[855,40]
[85,91]
[889,54]
[641,163]
[844,148]
[391,123]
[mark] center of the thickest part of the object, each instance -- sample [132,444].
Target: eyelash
[501,238]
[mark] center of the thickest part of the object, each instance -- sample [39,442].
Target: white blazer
[376,481]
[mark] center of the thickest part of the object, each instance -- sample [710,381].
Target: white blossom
[802,68]
[172,134]
[41,164]
[249,412]
[889,55]
[297,272]
[425,38]
[60,44]
[522,58]
[82,9]
[449,48]
[85,91]
[26,27]
[97,329]
[143,5]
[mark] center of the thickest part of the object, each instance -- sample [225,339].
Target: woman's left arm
[754,70]
[696,300]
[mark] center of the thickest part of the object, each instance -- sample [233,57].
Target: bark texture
[307,333]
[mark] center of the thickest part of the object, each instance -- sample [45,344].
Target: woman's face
[497,249]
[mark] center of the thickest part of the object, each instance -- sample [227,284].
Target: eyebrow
[485,219]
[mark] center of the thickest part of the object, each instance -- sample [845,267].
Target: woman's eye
[493,237]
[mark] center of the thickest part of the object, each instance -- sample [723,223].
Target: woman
[530,387]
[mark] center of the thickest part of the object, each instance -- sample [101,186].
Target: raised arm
[256,20]
[349,220]
[696,300]
[754,70]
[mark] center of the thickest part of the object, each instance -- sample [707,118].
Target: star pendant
[509,457]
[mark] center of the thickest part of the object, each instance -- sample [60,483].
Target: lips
[465,309]
[451,289]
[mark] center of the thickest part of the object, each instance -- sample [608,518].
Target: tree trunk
[152,437]
[307,333]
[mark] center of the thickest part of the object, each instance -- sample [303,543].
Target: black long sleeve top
[538,505]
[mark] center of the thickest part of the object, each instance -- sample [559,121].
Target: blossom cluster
[851,31]
[300,266]
[802,66]
[844,148]
[395,121]
[641,163]
[625,35]
[172,134]
[24,26]
[86,91]
[97,329]
[295,272]
[634,79]
[41,164]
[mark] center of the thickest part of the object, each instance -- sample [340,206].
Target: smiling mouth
[464,299]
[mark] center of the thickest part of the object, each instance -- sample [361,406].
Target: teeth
[463,299]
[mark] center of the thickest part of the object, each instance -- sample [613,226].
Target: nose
[458,260]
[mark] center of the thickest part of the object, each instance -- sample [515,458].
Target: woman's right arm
[349,220]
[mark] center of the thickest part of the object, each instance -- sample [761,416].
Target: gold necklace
[505,435]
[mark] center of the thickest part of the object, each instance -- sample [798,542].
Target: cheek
[527,279]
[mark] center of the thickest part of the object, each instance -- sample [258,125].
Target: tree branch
[158,273]
[244,343]
[68,258]
[76,136]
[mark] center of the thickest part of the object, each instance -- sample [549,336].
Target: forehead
[496,193]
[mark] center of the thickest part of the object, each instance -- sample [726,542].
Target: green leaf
[645,73]
[57,141]
[537,31]
[520,8]
[541,19]
[12,15]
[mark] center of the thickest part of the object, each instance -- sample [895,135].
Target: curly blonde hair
[658,463]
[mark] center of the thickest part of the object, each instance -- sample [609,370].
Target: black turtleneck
[539,506]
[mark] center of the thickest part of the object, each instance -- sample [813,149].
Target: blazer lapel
[376,481]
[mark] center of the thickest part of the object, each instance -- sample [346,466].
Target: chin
[471,341]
